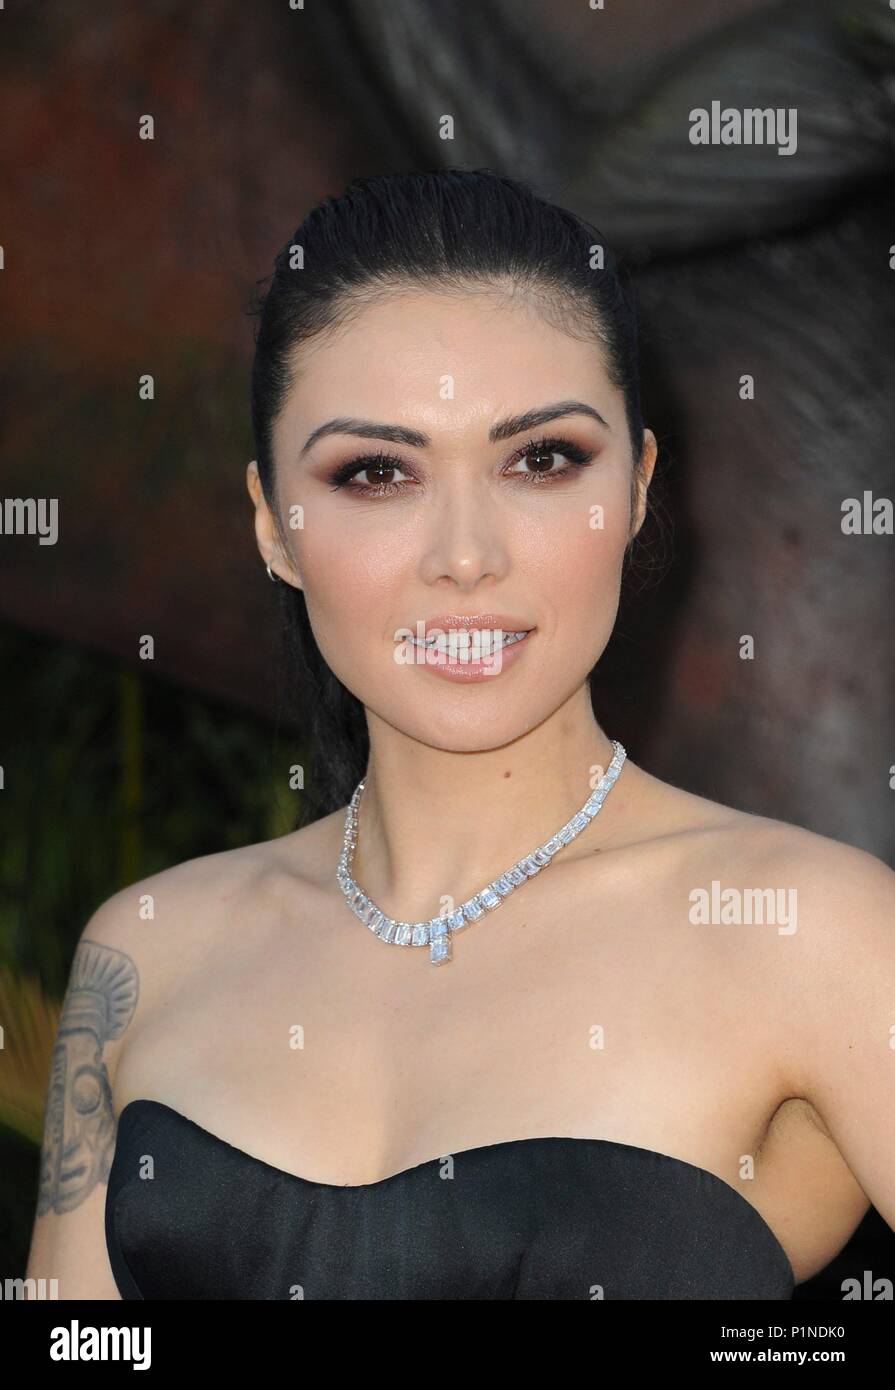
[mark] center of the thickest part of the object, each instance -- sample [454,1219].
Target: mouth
[470,644]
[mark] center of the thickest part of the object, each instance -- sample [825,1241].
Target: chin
[455,724]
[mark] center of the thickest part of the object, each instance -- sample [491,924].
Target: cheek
[576,561]
[353,585]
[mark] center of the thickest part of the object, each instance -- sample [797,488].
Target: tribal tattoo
[79,1123]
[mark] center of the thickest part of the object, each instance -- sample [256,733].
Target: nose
[464,540]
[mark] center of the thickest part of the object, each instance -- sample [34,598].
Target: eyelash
[339,481]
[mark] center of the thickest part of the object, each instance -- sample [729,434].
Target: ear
[266,535]
[641,480]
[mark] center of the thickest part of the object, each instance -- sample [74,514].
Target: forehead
[422,352]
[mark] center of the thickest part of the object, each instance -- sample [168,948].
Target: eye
[380,470]
[388,476]
[543,454]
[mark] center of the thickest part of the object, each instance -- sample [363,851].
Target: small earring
[270,574]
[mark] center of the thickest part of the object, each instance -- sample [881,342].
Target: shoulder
[145,942]
[830,964]
[201,895]
[825,869]
[185,900]
[840,889]
[840,898]
[841,908]
[818,967]
[842,951]
[831,983]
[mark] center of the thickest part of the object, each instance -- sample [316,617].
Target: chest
[349,1058]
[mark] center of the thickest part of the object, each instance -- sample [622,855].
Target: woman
[325,1066]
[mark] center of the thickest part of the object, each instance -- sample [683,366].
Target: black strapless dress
[554,1218]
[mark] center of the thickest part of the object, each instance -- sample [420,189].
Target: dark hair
[457,228]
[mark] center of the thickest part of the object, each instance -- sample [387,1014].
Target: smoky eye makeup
[380,464]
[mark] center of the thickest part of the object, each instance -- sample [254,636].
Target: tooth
[471,643]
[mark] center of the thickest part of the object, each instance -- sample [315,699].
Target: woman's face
[462,519]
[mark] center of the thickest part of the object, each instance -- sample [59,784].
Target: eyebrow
[415,439]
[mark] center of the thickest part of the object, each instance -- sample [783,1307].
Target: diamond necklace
[437,932]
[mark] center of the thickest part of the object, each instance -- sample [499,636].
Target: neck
[436,824]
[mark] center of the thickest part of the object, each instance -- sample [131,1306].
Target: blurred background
[124,256]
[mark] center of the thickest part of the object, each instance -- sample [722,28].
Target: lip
[475,671]
[507,622]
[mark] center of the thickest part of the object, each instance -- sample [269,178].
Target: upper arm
[68,1239]
[842,1000]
